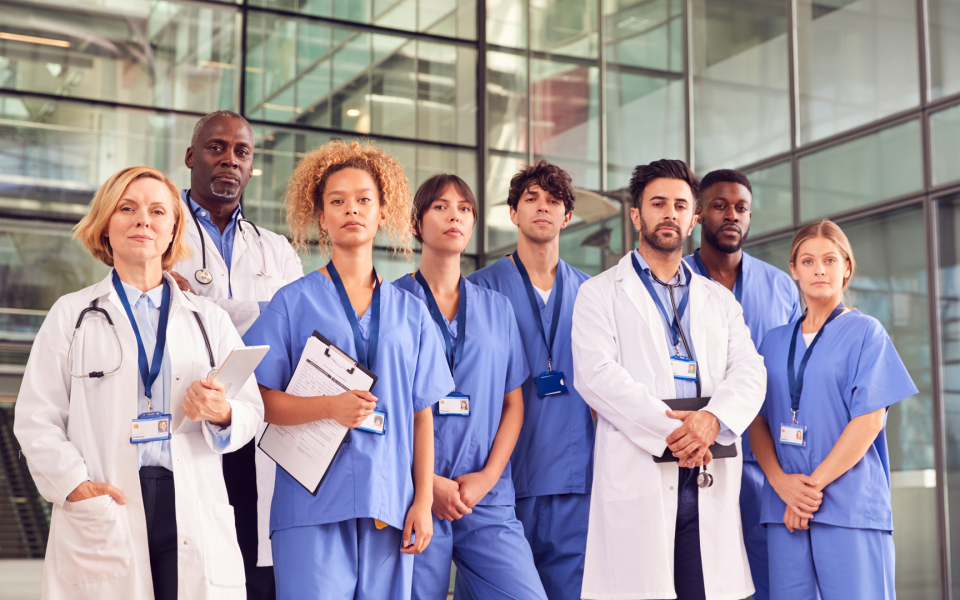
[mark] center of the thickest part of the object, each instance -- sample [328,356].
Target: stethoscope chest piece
[203,276]
[704,479]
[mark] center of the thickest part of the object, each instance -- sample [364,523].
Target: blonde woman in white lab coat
[118,529]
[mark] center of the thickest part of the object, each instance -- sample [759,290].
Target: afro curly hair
[304,197]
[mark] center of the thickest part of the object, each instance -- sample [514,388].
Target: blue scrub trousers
[492,557]
[347,560]
[754,534]
[830,563]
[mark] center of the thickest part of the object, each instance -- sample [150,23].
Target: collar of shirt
[203,214]
[154,296]
[681,273]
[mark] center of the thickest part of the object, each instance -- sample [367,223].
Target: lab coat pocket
[91,541]
[629,473]
[222,562]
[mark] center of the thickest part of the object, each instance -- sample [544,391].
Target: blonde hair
[304,198]
[828,230]
[92,229]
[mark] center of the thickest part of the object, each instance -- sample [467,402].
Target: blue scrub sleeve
[881,379]
[432,379]
[765,350]
[518,370]
[220,436]
[272,328]
[263,305]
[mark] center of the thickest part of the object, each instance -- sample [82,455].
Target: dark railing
[24,515]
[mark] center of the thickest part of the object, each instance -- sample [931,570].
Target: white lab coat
[72,429]
[622,367]
[249,287]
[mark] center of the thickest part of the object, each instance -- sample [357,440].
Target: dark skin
[724,213]
[220,166]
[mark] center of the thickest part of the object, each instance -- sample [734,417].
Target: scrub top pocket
[91,541]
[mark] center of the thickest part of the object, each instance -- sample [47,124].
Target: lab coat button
[671,487]
[186,543]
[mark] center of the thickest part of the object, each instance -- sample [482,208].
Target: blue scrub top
[853,370]
[554,454]
[493,364]
[371,477]
[769,299]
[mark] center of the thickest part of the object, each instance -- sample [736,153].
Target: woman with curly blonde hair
[353,539]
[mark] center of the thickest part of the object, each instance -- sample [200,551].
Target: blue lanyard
[737,287]
[147,374]
[675,325]
[557,304]
[366,357]
[796,378]
[454,354]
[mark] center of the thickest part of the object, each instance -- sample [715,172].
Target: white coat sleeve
[738,398]
[43,409]
[247,406]
[604,384]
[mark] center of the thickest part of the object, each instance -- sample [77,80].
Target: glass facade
[846,109]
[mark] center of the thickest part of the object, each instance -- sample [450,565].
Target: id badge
[549,383]
[456,404]
[683,368]
[150,427]
[375,423]
[793,434]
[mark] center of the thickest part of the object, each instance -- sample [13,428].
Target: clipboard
[305,452]
[692,404]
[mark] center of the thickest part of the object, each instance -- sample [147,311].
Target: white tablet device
[238,367]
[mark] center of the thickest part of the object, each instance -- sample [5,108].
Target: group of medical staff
[672,428]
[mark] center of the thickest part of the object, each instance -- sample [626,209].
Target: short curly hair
[550,178]
[304,197]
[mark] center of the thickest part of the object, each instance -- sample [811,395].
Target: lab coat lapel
[239,244]
[698,305]
[652,325]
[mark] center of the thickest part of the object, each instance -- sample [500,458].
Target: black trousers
[156,486]
[239,473]
[687,563]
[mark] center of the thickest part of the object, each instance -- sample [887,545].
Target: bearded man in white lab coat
[239,265]
[656,529]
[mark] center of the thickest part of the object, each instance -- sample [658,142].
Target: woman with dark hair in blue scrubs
[477,424]
[820,439]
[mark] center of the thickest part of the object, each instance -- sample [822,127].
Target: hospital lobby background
[848,109]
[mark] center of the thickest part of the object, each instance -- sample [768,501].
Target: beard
[223,189]
[655,241]
[711,238]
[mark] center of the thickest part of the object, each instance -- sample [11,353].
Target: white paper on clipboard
[307,451]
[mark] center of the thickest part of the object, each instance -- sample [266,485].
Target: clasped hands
[691,442]
[802,495]
[453,498]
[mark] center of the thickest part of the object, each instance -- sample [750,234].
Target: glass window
[501,232]
[453,18]
[891,285]
[161,54]
[945,139]
[566,27]
[858,63]
[57,154]
[565,118]
[740,76]
[644,33]
[864,171]
[506,102]
[361,82]
[944,39]
[592,247]
[642,107]
[949,221]
[772,206]
[507,23]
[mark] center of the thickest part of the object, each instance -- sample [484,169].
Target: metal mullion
[602,95]
[930,213]
[303,127]
[771,161]
[861,131]
[98,103]
[688,80]
[793,71]
[481,137]
[854,214]
[244,23]
[529,61]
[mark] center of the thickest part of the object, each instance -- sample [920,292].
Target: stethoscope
[93,308]
[704,479]
[203,275]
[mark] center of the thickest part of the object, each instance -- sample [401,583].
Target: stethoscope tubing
[203,245]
